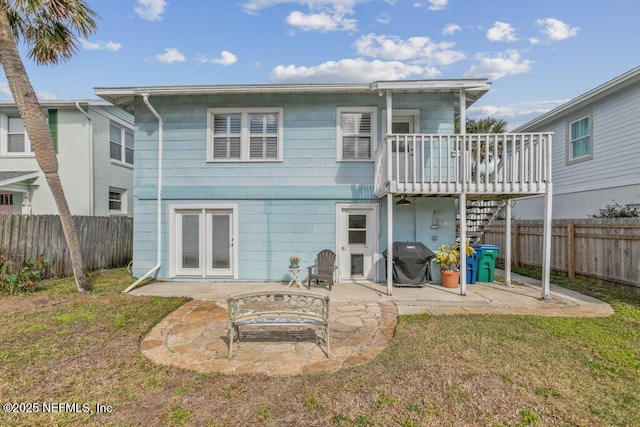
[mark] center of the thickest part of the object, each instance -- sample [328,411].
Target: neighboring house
[94,144]
[231,181]
[596,151]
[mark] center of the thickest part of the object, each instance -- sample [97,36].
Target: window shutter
[356,136]
[226,136]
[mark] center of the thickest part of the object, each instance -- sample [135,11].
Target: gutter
[145,98]
[91,163]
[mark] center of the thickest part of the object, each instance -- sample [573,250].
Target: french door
[204,242]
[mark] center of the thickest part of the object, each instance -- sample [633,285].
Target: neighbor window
[6,199]
[580,146]
[253,134]
[15,141]
[356,133]
[117,201]
[121,143]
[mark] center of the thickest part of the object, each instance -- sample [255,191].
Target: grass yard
[57,346]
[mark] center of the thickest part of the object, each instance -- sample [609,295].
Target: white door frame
[174,240]
[374,208]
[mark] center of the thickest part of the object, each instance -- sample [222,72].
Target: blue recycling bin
[486,262]
[472,269]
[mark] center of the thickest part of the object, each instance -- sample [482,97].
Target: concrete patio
[362,319]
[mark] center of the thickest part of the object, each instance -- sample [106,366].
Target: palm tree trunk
[41,141]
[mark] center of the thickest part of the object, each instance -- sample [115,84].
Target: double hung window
[580,147]
[251,135]
[15,141]
[356,133]
[121,143]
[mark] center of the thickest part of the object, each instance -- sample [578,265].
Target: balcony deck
[481,166]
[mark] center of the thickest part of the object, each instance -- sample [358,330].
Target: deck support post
[546,242]
[463,243]
[507,244]
[389,243]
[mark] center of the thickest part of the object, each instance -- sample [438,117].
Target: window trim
[123,146]
[570,159]
[374,131]
[123,201]
[245,136]
[4,137]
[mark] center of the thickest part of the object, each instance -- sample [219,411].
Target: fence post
[571,251]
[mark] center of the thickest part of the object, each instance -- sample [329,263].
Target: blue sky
[537,54]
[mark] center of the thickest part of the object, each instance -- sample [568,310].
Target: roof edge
[598,92]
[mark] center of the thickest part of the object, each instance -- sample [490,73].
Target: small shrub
[529,418]
[617,211]
[16,278]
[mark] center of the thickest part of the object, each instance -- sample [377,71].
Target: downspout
[145,98]
[92,200]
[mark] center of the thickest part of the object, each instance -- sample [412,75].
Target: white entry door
[204,242]
[357,242]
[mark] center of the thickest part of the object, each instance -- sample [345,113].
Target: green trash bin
[486,255]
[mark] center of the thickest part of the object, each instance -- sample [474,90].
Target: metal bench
[275,309]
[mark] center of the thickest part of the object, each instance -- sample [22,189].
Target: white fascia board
[123,96]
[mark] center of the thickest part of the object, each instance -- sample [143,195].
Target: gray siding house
[232,180]
[94,144]
[596,151]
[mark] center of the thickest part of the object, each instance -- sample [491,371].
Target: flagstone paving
[195,337]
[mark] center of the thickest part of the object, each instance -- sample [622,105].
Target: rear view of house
[231,181]
[94,144]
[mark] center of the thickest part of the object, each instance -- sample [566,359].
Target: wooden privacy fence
[603,249]
[105,241]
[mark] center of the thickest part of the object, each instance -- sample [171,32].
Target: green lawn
[57,346]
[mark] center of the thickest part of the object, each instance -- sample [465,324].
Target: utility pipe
[92,201]
[145,98]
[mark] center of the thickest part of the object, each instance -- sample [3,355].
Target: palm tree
[484,125]
[47,27]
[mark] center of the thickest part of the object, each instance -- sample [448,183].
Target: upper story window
[15,141]
[580,147]
[246,135]
[356,133]
[121,143]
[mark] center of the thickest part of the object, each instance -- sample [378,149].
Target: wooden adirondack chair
[324,268]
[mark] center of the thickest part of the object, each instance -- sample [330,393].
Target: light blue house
[231,181]
[94,145]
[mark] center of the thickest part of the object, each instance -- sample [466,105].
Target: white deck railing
[510,163]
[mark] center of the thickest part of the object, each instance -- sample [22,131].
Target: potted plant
[293,261]
[448,258]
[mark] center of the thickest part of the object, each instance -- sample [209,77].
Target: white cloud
[417,49]
[515,114]
[350,70]
[320,22]
[110,46]
[437,4]
[5,90]
[151,10]
[252,7]
[384,18]
[534,40]
[508,63]
[501,32]
[170,56]
[450,29]
[45,95]
[555,30]
[226,58]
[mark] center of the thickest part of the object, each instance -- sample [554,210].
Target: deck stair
[480,213]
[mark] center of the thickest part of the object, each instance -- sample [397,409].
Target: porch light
[403,201]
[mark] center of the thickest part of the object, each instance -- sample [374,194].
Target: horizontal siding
[616,144]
